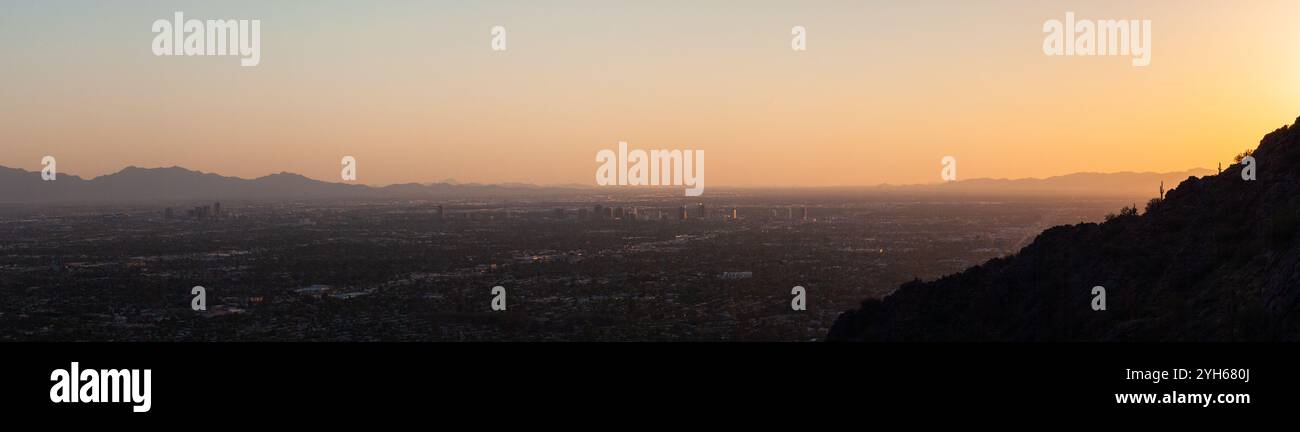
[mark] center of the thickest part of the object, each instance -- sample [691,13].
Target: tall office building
[441,215]
[200,212]
[681,214]
[701,214]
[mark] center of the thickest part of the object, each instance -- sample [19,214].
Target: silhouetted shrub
[1242,155]
[1152,205]
[1126,211]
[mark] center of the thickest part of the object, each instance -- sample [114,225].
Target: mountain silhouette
[176,183]
[1216,260]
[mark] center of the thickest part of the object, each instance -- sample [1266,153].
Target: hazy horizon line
[452,181]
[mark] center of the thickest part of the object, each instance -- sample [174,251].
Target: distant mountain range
[1218,259]
[176,183]
[1121,184]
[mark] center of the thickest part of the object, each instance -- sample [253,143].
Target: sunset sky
[414,92]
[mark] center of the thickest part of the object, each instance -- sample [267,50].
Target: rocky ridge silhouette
[1216,260]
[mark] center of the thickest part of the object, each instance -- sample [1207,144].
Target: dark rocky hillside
[1217,260]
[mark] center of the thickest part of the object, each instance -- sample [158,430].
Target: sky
[413,90]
